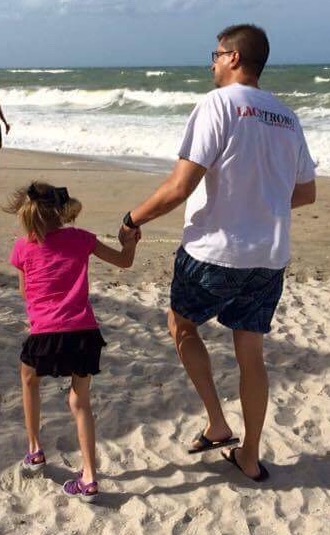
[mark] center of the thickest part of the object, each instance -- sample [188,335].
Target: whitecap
[155,73]
[38,71]
[320,80]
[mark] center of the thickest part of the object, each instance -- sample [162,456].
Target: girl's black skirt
[64,353]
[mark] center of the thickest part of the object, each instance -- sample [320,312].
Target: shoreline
[108,191]
[125,163]
[153,166]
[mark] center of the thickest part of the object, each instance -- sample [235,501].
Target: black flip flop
[207,444]
[231,458]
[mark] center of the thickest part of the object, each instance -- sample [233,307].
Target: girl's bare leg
[31,405]
[79,401]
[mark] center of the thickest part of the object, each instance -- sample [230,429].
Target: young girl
[64,338]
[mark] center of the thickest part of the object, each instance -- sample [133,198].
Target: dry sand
[146,410]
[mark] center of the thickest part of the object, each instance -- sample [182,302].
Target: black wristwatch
[128,221]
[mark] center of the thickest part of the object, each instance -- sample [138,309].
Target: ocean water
[137,115]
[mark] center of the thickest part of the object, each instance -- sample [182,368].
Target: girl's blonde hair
[42,207]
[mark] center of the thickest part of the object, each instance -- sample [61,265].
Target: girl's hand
[127,234]
[132,240]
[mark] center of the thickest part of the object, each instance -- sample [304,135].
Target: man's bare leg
[254,397]
[196,361]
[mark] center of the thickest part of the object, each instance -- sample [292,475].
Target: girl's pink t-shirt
[56,280]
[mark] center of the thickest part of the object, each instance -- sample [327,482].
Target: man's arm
[303,194]
[184,178]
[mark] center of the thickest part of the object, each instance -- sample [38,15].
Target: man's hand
[7,127]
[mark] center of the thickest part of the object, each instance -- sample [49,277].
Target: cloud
[142,7]
[12,9]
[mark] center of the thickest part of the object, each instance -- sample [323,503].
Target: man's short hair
[252,44]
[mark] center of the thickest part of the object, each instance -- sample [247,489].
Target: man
[243,164]
[3,119]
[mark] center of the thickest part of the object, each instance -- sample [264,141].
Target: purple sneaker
[75,488]
[34,461]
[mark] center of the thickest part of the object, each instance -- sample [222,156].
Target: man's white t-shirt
[255,152]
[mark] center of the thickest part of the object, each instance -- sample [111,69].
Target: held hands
[127,235]
[129,232]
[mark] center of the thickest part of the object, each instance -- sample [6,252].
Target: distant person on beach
[64,339]
[243,164]
[7,125]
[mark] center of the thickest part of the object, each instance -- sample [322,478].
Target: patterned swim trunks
[241,299]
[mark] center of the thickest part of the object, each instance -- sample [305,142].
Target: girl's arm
[21,284]
[123,258]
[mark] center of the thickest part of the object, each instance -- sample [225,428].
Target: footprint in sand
[309,431]
[285,416]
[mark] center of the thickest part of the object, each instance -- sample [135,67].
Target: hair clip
[62,195]
[33,193]
[52,197]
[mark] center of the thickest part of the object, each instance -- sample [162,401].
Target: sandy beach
[147,412]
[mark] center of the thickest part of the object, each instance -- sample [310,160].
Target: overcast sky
[56,33]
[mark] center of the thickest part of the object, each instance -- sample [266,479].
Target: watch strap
[127,220]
